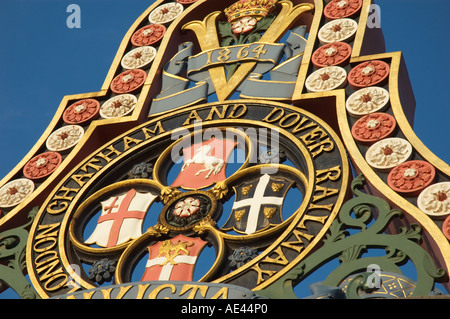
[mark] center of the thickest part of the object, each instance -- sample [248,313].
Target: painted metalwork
[370,216]
[249,68]
[12,253]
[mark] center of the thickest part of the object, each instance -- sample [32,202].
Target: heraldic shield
[121,218]
[204,163]
[173,259]
[258,204]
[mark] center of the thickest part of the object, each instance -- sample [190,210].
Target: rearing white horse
[211,163]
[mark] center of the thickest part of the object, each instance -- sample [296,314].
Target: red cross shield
[121,219]
[204,163]
[173,259]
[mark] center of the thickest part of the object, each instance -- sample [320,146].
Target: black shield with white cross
[258,204]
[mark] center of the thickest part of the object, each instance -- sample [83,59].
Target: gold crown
[249,8]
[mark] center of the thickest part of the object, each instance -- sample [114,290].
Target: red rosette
[42,165]
[373,127]
[148,35]
[368,73]
[128,81]
[81,111]
[411,177]
[332,54]
[338,9]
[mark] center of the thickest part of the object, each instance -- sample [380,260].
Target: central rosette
[188,209]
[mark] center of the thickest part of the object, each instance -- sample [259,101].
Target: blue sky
[42,60]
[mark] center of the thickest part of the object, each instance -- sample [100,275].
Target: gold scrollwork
[168,193]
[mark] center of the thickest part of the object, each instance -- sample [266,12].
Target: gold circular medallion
[240,197]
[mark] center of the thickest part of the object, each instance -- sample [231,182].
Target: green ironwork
[12,254]
[369,216]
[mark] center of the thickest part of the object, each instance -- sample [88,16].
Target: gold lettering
[301,125]
[90,164]
[194,289]
[243,52]
[322,147]
[259,50]
[324,192]
[53,255]
[297,245]
[141,290]
[209,54]
[88,295]
[261,273]
[154,293]
[223,292]
[275,111]
[328,174]
[51,275]
[241,108]
[51,241]
[193,116]
[66,192]
[52,284]
[106,293]
[289,120]
[79,178]
[319,219]
[50,272]
[123,291]
[279,260]
[46,229]
[128,140]
[296,118]
[311,136]
[224,55]
[152,133]
[107,156]
[52,211]
[215,111]
[316,140]
[315,136]
[235,109]
[314,206]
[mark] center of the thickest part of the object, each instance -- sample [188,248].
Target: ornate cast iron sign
[242,207]
[220,158]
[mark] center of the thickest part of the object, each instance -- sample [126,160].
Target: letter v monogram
[207,36]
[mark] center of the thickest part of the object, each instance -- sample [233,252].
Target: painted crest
[236,54]
[246,68]
[121,219]
[258,204]
[204,163]
[173,259]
